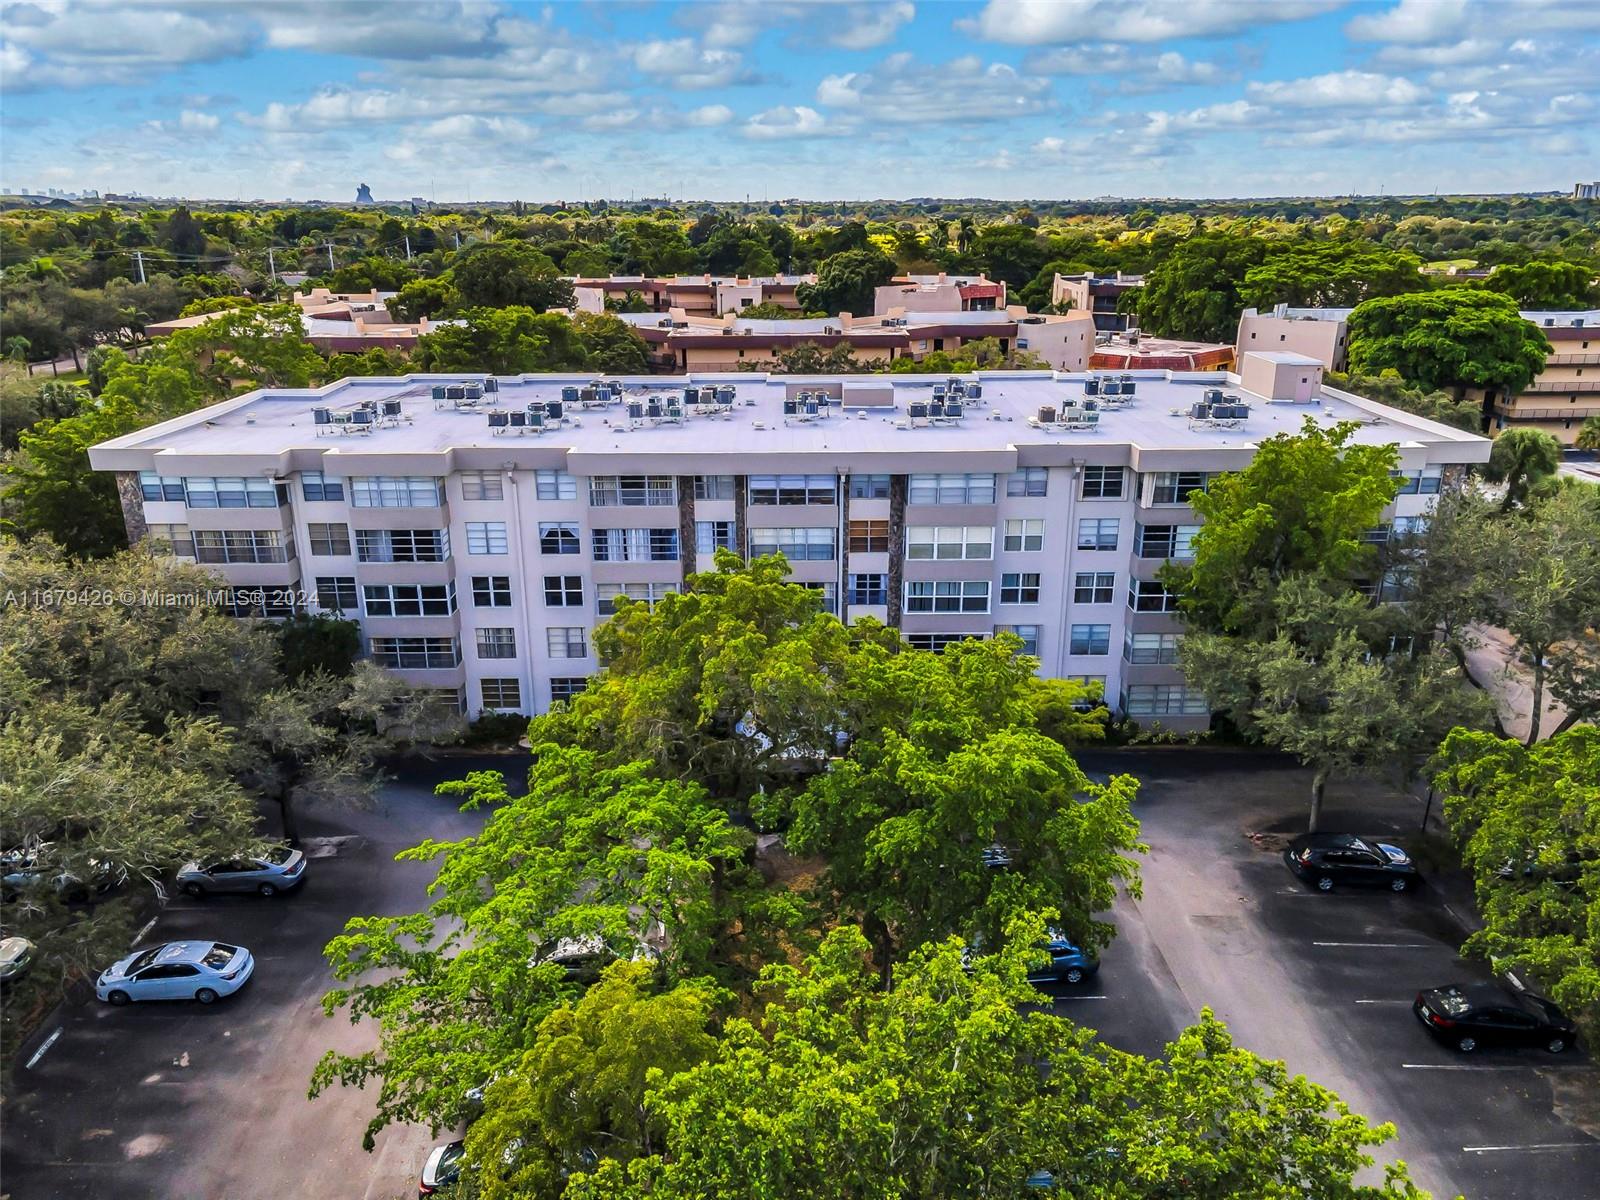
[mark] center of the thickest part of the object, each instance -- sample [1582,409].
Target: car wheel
[1467,1045]
[118,998]
[206,996]
[1074,975]
[266,889]
[1556,1044]
[1325,883]
[194,889]
[1399,885]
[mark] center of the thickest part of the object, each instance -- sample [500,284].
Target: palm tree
[1522,459]
[1589,434]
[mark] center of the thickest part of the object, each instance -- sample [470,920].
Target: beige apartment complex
[480,528]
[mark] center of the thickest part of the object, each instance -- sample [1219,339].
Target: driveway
[1325,982]
[165,1100]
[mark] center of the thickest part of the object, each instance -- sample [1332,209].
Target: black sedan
[1326,859]
[1469,1015]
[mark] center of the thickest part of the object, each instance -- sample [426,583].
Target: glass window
[153,486]
[1173,487]
[497,642]
[491,591]
[635,545]
[314,485]
[486,537]
[829,594]
[1028,481]
[1094,587]
[501,693]
[714,487]
[868,589]
[1164,541]
[1423,482]
[230,491]
[1098,533]
[566,688]
[1019,588]
[1146,595]
[1090,639]
[329,539]
[1163,699]
[1024,535]
[559,537]
[968,488]
[869,537]
[482,485]
[632,491]
[402,545]
[869,487]
[938,641]
[1151,647]
[396,491]
[272,603]
[241,546]
[640,593]
[336,593]
[567,641]
[950,542]
[711,536]
[947,596]
[426,653]
[1028,633]
[815,543]
[563,591]
[793,489]
[409,599]
[554,485]
[175,540]
[1102,483]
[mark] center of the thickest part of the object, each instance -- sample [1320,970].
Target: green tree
[312,642]
[1523,460]
[502,274]
[421,298]
[1546,283]
[846,282]
[182,234]
[243,348]
[840,1090]
[1589,433]
[1194,291]
[1453,338]
[1390,389]
[502,341]
[612,345]
[1330,275]
[1528,820]
[649,868]
[50,490]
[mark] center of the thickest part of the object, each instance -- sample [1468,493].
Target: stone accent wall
[131,497]
[686,551]
[899,485]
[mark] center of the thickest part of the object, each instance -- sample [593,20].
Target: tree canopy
[1453,338]
[846,282]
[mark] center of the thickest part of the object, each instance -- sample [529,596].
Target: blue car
[1067,963]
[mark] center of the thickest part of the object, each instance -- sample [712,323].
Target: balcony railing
[1557,385]
[1573,360]
[1576,412]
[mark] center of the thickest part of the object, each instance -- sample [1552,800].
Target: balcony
[1557,385]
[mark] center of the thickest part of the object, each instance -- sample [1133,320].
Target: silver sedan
[278,870]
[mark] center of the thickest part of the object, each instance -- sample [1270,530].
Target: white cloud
[867,26]
[1066,22]
[1411,21]
[88,43]
[684,64]
[788,121]
[903,90]
[1142,72]
[1338,89]
[416,29]
[465,127]
[197,121]
[708,115]
[847,24]
[1447,23]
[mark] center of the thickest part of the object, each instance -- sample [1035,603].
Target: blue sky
[462,99]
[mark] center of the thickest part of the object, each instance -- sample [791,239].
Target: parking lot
[180,1100]
[1325,981]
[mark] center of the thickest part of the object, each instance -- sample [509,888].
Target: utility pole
[329,246]
[138,257]
[458,239]
[272,267]
[408,247]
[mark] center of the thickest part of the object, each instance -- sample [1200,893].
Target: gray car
[278,870]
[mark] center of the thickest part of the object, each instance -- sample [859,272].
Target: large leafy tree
[613,346]
[1546,283]
[1453,338]
[243,348]
[840,1090]
[846,281]
[50,490]
[1528,818]
[1194,291]
[650,868]
[1390,389]
[1330,274]
[502,341]
[506,273]
[1522,460]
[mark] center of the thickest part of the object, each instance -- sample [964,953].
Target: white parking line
[1383,1001]
[1082,997]
[148,926]
[1534,1147]
[48,1042]
[1462,1067]
[1380,945]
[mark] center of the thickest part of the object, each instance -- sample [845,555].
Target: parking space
[180,1099]
[1325,981]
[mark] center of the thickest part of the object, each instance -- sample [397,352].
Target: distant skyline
[460,100]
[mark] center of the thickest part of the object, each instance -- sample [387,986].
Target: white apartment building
[479,529]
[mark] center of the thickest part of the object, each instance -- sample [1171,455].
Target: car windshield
[1454,1003]
[277,856]
[451,1156]
[220,956]
[141,961]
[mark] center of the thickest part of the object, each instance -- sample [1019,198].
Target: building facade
[479,547]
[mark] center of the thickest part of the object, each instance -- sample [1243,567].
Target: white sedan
[200,971]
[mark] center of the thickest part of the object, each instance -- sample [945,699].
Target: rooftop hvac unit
[1213,395]
[1091,386]
[1200,410]
[586,395]
[674,411]
[472,391]
[1047,414]
[635,410]
[652,409]
[491,385]
[391,408]
[791,407]
[954,409]
[361,416]
[725,395]
[917,410]
[691,395]
[498,420]
[936,409]
[519,419]
[1110,388]
[811,407]
[974,391]
[615,387]
[440,392]
[321,416]
[455,391]
[1127,387]
[569,394]
[553,410]
[535,418]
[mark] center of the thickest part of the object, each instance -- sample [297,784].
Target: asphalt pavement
[165,1100]
[1324,982]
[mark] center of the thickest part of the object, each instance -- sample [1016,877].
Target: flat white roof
[1285,357]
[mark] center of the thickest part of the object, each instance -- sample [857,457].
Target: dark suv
[1325,859]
